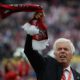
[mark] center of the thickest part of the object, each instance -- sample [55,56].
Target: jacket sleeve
[35,59]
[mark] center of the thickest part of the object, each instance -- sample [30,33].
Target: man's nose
[62,50]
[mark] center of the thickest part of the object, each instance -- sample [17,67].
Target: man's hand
[38,15]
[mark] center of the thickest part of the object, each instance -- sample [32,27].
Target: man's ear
[54,54]
[72,55]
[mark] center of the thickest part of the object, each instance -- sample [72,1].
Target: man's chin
[63,61]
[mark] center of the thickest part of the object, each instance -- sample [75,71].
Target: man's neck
[65,65]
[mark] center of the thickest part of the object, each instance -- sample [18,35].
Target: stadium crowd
[62,21]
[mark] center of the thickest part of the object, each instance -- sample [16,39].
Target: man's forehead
[63,44]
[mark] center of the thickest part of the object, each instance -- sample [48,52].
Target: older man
[48,68]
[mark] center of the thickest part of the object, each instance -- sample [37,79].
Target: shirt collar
[68,68]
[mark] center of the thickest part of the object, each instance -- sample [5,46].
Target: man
[48,68]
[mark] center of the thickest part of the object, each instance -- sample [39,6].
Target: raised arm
[35,59]
[35,34]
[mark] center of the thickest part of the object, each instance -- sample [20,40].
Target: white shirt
[67,73]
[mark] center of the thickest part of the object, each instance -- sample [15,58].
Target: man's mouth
[62,57]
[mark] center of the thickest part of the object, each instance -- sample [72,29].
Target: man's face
[63,52]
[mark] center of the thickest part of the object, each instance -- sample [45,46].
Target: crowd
[16,69]
[62,21]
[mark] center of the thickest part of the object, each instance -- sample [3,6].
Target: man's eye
[65,49]
[59,49]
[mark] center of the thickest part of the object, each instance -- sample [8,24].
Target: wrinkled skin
[63,53]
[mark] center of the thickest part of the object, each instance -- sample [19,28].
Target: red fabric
[11,75]
[63,77]
[6,9]
[43,29]
[23,69]
[22,7]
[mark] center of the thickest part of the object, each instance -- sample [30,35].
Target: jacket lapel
[75,75]
[59,72]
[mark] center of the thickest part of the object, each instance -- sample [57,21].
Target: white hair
[64,40]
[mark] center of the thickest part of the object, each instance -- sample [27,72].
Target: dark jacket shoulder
[76,74]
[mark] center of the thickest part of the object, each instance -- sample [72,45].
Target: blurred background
[63,20]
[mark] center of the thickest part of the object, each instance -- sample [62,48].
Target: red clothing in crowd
[23,69]
[11,75]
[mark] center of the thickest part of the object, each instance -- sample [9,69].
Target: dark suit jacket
[45,68]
